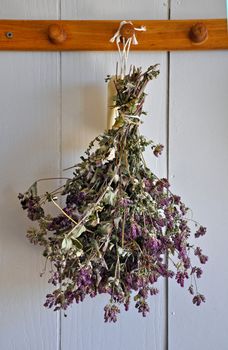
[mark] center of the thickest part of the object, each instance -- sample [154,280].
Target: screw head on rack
[9,35]
[198,33]
[56,34]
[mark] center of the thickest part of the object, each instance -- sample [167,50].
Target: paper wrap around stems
[112,111]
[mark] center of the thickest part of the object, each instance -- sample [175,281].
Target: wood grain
[94,35]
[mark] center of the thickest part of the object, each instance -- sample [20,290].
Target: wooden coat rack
[91,35]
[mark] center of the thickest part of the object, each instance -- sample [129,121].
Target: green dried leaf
[116,178]
[110,197]
[78,244]
[123,252]
[67,243]
[33,189]
[117,222]
[79,253]
[78,231]
[106,228]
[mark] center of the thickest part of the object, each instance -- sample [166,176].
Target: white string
[126,46]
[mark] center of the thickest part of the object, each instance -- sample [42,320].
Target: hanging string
[126,43]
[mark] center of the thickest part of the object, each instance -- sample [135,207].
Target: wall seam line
[168,174]
[59,73]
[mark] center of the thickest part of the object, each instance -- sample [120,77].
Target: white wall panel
[199,171]
[119,9]
[29,139]
[182,9]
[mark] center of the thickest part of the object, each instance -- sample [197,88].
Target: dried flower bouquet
[120,223]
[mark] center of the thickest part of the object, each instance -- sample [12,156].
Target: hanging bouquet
[120,224]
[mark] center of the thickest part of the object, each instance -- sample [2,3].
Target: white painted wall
[52,104]
[199,160]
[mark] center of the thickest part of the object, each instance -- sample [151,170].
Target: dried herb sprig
[119,221]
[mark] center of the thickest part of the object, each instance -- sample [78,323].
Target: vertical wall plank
[89,9]
[29,136]
[183,9]
[84,117]
[199,171]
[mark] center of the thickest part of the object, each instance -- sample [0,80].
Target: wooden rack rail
[91,35]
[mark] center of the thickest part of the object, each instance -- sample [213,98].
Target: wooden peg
[198,33]
[56,34]
[127,30]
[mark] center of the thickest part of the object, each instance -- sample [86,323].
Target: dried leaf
[78,231]
[67,243]
[110,197]
[33,189]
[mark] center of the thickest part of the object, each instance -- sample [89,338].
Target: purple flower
[198,299]
[183,209]
[176,199]
[159,222]
[58,223]
[75,199]
[158,150]
[134,282]
[198,251]
[153,277]
[127,303]
[200,232]
[184,227]
[148,184]
[162,184]
[32,205]
[142,307]
[84,278]
[186,262]
[203,258]
[191,290]
[163,202]
[153,244]
[197,270]
[110,313]
[55,278]
[135,230]
[35,213]
[124,202]
[154,291]
[143,293]
[180,277]
[162,269]
[69,297]
[50,300]
[79,296]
